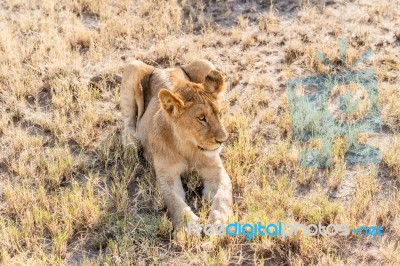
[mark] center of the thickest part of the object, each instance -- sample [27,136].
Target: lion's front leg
[218,187]
[170,185]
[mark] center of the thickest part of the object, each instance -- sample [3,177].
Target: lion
[175,115]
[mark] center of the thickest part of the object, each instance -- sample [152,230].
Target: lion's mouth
[203,149]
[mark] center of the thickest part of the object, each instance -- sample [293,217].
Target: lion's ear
[214,82]
[170,102]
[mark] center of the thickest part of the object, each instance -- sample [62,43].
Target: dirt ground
[71,194]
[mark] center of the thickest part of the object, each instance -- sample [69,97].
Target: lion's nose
[221,137]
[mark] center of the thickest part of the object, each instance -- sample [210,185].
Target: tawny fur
[175,115]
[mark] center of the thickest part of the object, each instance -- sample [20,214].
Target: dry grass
[71,194]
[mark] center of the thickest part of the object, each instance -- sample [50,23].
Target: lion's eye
[202,118]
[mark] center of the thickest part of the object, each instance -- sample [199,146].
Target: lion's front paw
[220,216]
[183,219]
[217,217]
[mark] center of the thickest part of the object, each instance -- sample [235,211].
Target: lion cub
[175,115]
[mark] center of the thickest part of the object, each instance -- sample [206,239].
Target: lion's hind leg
[134,80]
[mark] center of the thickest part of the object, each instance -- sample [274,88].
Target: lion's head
[194,112]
